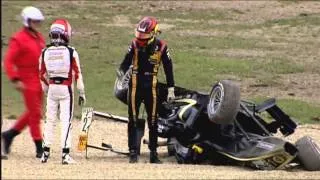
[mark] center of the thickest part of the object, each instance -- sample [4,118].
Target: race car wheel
[224,102]
[308,153]
[121,86]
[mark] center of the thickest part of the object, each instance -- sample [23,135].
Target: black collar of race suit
[57,44]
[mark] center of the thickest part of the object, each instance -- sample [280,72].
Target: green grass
[304,19]
[102,46]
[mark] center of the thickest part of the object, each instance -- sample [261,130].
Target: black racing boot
[153,142]
[39,149]
[133,156]
[132,142]
[7,138]
[154,158]
[4,157]
[45,154]
[140,133]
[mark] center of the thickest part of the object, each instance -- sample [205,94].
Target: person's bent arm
[168,67]
[77,72]
[43,73]
[127,61]
[10,60]
[78,77]
[10,64]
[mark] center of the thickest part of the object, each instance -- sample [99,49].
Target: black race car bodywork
[219,128]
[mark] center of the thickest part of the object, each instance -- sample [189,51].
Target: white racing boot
[45,155]
[67,159]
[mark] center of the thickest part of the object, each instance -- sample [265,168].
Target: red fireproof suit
[22,63]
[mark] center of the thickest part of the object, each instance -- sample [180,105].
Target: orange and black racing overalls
[143,86]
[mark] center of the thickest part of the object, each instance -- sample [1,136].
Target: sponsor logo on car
[265,145]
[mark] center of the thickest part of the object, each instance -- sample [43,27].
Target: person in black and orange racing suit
[144,56]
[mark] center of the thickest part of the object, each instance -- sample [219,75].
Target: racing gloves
[171,95]
[82,99]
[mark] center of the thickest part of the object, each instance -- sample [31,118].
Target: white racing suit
[59,67]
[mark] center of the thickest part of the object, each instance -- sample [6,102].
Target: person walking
[21,65]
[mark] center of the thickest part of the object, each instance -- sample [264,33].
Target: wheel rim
[123,82]
[119,84]
[216,98]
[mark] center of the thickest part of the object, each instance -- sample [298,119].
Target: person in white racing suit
[59,68]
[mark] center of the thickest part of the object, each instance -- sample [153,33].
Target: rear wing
[280,120]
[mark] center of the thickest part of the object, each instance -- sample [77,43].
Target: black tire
[224,102]
[171,146]
[308,153]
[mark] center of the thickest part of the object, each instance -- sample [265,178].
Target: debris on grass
[259,85]
[303,14]
[316,119]
[12,116]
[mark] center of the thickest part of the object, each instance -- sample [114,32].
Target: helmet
[147,29]
[31,13]
[60,31]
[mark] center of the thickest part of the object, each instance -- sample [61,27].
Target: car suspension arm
[254,119]
[111,116]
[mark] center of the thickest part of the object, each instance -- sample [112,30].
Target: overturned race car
[220,129]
